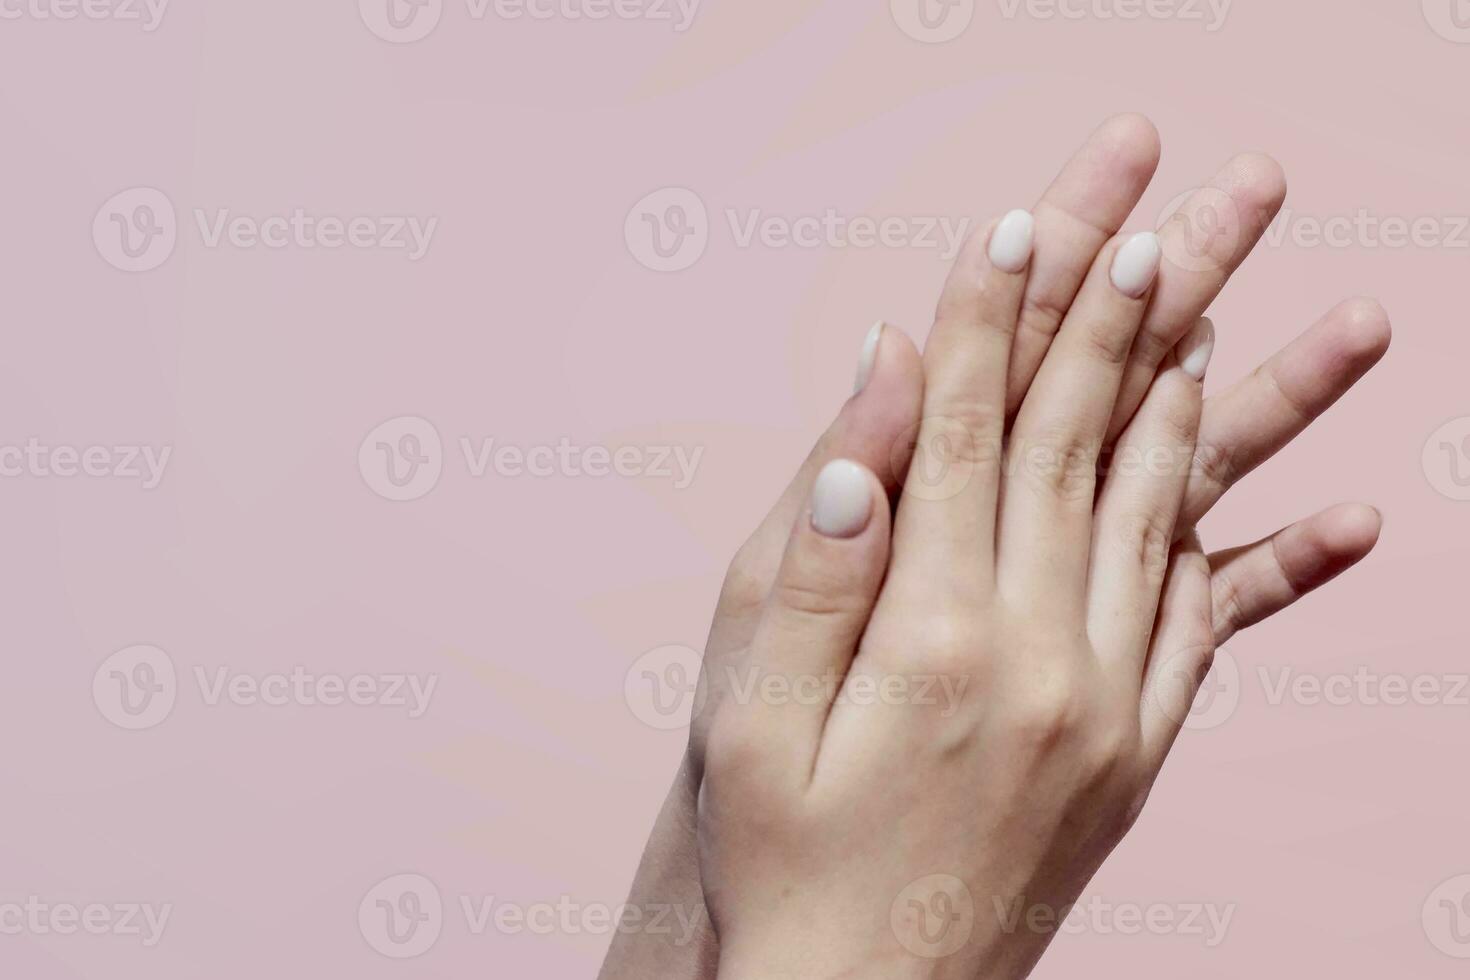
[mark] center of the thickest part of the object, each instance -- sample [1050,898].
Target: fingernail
[1010,243]
[1195,349]
[868,357]
[842,500]
[1136,264]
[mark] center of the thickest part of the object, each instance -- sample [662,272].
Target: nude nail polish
[868,357]
[842,500]
[1011,241]
[1136,264]
[1195,349]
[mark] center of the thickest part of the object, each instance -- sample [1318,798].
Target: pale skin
[1039,588]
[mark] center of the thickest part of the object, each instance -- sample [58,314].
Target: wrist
[667,890]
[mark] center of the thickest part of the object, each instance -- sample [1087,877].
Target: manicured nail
[842,501]
[1136,264]
[868,357]
[1010,243]
[1195,349]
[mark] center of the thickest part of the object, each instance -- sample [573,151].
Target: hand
[1241,428]
[827,807]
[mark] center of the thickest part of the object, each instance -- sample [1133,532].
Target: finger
[1180,654]
[1051,470]
[1134,520]
[818,608]
[947,526]
[1249,423]
[1204,242]
[1259,580]
[1084,207]
[874,428]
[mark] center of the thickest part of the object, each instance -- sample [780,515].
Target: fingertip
[1366,326]
[1134,137]
[900,357]
[888,361]
[1196,348]
[1352,529]
[1262,176]
[1011,241]
[844,499]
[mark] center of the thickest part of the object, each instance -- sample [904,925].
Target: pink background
[528,321]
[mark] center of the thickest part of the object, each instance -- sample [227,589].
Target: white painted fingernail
[1195,349]
[868,357]
[1136,264]
[1010,243]
[842,501]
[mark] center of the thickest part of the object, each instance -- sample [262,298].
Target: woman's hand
[1241,428]
[970,719]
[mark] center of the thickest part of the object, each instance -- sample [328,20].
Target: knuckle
[967,426]
[1107,340]
[815,594]
[1063,463]
[939,643]
[1217,465]
[736,752]
[1051,710]
[1128,818]
[953,447]
[1151,539]
[979,303]
[1227,602]
[1152,345]
[746,582]
[1180,419]
[1112,751]
[1042,316]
